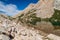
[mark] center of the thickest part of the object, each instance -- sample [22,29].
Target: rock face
[44,8]
[57,4]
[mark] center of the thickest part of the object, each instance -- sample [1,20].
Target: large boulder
[53,37]
[45,26]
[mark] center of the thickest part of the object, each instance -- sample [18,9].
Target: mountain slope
[44,9]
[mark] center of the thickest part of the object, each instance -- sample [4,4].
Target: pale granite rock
[53,37]
[4,37]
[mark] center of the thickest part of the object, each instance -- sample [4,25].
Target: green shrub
[55,19]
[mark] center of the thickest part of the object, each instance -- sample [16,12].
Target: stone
[53,37]
[45,26]
[4,37]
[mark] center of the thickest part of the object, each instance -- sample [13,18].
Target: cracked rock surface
[9,30]
[13,31]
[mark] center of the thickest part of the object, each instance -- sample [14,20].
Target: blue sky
[12,7]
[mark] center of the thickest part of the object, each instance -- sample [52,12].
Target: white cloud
[9,9]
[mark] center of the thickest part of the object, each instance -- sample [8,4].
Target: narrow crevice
[11,37]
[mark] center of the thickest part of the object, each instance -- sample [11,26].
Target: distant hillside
[4,16]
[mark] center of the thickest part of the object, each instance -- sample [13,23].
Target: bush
[55,19]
